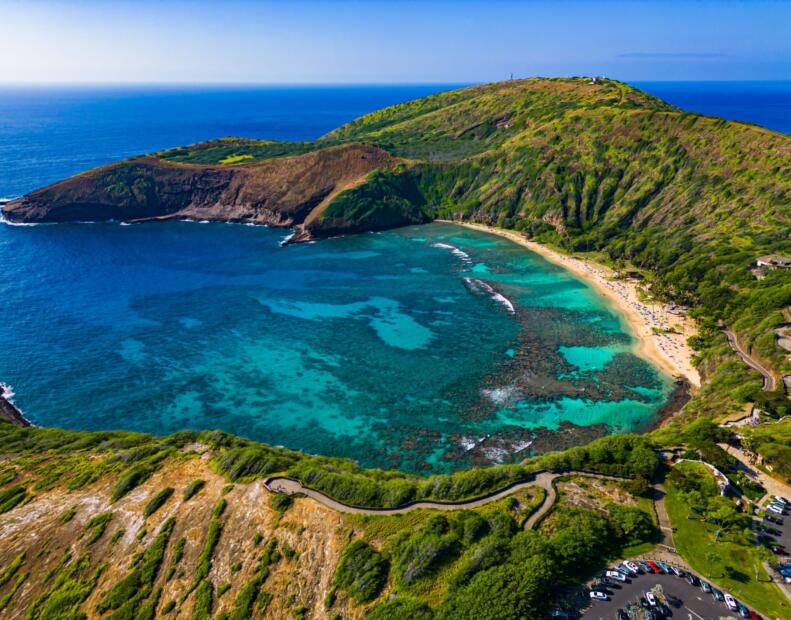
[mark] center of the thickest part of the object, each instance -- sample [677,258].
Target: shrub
[194,487]
[11,569]
[97,525]
[401,608]
[157,501]
[361,572]
[281,502]
[68,515]
[128,481]
[11,498]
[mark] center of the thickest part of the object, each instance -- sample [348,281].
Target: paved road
[769,380]
[695,603]
[290,486]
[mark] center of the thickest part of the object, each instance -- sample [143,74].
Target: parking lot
[784,538]
[694,603]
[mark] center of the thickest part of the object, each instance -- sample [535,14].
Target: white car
[626,570]
[599,596]
[774,509]
[615,574]
[676,571]
[632,566]
[781,500]
[731,602]
[649,596]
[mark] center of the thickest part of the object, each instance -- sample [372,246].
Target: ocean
[426,348]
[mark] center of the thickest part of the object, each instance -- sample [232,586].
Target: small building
[773,261]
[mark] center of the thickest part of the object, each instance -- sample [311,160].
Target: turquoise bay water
[426,348]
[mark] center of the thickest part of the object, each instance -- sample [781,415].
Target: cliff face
[278,192]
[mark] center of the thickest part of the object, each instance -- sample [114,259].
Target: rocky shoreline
[9,411]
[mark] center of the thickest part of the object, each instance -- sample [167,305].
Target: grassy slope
[735,567]
[91,493]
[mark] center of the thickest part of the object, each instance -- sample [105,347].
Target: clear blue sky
[332,41]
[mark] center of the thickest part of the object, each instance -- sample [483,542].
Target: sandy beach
[668,351]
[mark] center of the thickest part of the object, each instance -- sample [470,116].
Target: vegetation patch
[11,570]
[361,572]
[156,502]
[129,593]
[129,480]
[193,488]
[6,599]
[96,526]
[280,502]
[13,497]
[72,584]
[251,601]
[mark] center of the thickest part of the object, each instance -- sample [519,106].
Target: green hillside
[603,168]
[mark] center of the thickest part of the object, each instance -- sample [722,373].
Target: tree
[503,592]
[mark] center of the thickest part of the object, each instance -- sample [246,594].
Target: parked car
[635,568]
[677,571]
[599,596]
[626,569]
[615,574]
[781,500]
[779,550]
[773,519]
[717,594]
[654,567]
[743,611]
[622,615]
[665,567]
[649,596]
[781,507]
[731,602]
[559,614]
[665,610]
[774,509]
[645,567]
[693,580]
[754,616]
[706,586]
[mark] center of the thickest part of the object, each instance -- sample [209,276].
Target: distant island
[663,210]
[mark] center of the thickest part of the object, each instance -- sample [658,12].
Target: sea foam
[478,285]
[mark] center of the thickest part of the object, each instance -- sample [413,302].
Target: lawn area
[733,567]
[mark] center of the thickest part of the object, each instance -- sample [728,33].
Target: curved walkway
[545,480]
[769,380]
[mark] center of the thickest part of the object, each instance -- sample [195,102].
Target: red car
[654,567]
[778,550]
[754,616]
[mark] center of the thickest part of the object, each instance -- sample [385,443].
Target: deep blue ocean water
[396,349]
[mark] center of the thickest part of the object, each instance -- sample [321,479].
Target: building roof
[775,259]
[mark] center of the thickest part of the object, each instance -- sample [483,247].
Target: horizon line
[349,84]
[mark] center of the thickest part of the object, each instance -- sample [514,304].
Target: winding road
[770,383]
[544,480]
